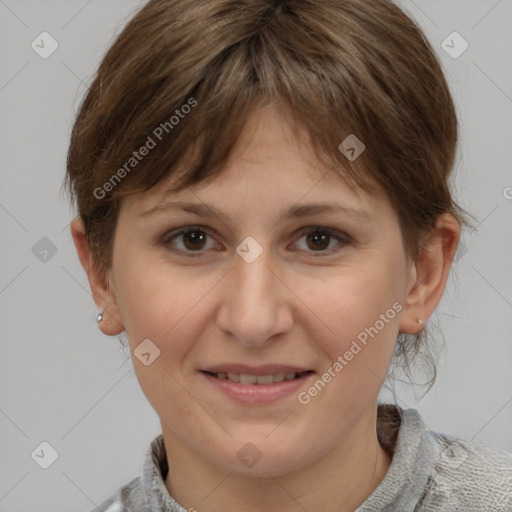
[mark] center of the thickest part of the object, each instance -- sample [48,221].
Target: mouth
[260,380]
[256,385]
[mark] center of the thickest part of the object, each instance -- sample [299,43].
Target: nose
[255,304]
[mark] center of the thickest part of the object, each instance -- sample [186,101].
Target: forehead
[272,165]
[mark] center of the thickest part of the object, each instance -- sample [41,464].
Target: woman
[264,208]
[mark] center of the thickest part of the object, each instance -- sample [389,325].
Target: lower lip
[258,393]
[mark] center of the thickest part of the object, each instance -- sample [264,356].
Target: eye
[193,239]
[319,239]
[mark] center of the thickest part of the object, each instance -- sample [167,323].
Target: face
[304,310]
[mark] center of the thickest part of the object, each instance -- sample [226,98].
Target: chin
[270,467]
[261,459]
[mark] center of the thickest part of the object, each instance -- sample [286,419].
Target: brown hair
[339,67]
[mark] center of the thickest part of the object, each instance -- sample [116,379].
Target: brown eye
[191,240]
[194,240]
[319,239]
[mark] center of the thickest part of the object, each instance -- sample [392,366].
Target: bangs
[240,80]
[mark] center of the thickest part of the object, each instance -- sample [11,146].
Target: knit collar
[408,476]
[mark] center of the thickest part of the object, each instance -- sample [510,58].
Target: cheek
[351,305]
[164,305]
[360,318]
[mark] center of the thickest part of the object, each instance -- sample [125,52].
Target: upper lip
[267,369]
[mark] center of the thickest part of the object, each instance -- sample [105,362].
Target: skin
[289,306]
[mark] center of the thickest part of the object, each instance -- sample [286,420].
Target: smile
[267,386]
[262,380]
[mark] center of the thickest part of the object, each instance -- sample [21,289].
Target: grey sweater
[429,472]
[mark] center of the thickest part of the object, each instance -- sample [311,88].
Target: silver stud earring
[420,321]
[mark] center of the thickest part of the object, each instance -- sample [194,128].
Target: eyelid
[342,237]
[176,233]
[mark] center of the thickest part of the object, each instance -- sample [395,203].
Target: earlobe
[430,273]
[102,293]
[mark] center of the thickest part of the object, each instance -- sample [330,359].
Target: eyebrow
[298,211]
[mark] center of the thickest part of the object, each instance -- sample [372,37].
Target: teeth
[244,378]
[264,379]
[248,379]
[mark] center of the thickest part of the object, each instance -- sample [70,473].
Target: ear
[430,273]
[103,293]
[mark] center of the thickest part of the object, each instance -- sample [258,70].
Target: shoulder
[129,498]
[432,471]
[467,475]
[147,492]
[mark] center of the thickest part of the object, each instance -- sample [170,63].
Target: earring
[420,321]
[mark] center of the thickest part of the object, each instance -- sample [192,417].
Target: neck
[350,472]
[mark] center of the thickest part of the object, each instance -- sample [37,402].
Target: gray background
[64,382]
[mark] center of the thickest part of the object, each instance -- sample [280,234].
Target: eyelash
[331,233]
